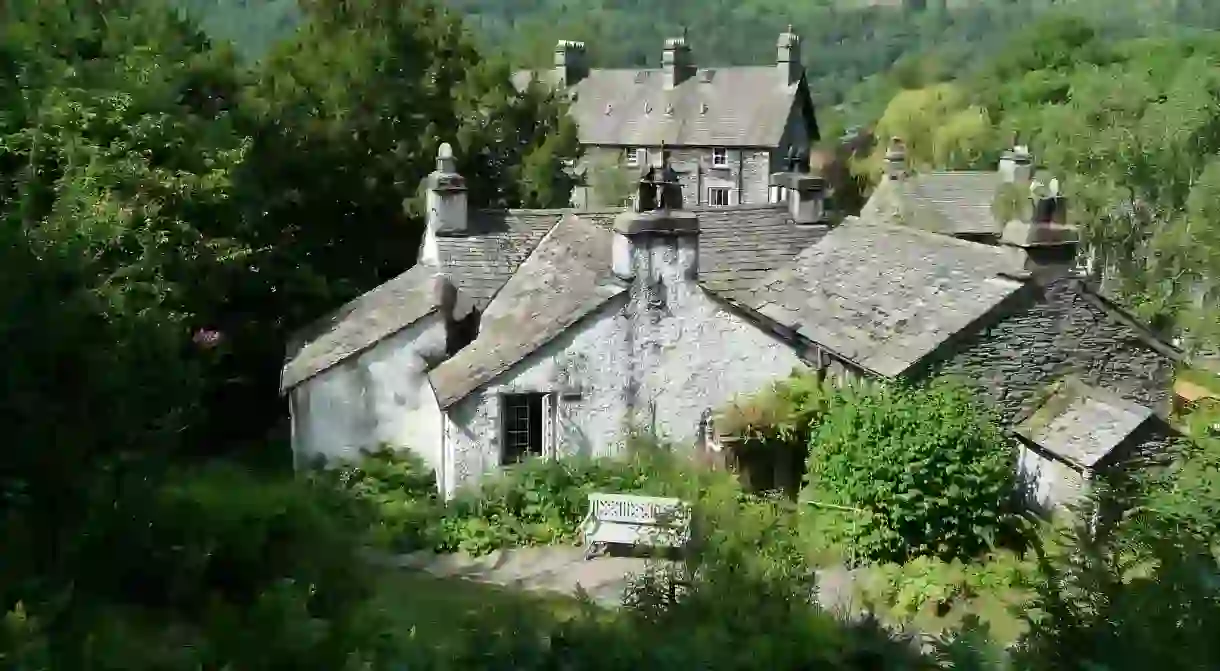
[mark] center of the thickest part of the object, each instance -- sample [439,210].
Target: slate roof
[715,107]
[738,246]
[481,261]
[567,277]
[886,296]
[1083,424]
[953,203]
[365,321]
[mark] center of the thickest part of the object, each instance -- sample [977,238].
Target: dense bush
[208,568]
[743,599]
[923,470]
[770,430]
[539,502]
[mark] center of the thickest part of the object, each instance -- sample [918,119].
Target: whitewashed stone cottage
[552,332]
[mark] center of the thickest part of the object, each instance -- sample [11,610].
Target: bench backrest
[632,509]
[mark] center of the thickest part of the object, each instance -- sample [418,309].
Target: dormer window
[720,157]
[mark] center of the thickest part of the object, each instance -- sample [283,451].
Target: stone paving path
[547,569]
[564,570]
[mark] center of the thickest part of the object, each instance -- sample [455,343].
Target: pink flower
[207,338]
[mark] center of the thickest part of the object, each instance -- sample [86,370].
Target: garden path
[563,569]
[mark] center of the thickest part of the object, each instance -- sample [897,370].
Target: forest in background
[169,213]
[844,43]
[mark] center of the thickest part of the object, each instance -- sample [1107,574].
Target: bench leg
[590,550]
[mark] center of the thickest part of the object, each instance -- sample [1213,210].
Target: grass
[430,608]
[1201,377]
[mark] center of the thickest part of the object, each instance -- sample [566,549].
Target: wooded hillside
[844,42]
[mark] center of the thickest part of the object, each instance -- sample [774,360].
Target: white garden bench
[627,519]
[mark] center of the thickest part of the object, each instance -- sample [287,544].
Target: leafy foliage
[1130,129]
[924,469]
[538,502]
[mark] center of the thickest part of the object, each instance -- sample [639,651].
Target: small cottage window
[525,421]
[720,157]
[718,195]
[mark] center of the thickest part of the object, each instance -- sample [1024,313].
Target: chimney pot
[676,63]
[1017,164]
[805,193]
[571,63]
[788,57]
[446,195]
[896,159]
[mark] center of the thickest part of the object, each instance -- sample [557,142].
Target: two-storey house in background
[726,130]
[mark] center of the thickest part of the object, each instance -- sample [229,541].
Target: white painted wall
[661,363]
[380,396]
[1051,484]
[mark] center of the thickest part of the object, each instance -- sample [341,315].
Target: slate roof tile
[1083,424]
[481,261]
[885,296]
[565,278]
[734,107]
[953,203]
[364,322]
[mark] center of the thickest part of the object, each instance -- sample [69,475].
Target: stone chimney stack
[446,203]
[676,63]
[805,193]
[895,160]
[1017,164]
[656,243]
[571,62]
[1049,242]
[788,57]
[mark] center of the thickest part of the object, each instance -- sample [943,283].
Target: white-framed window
[525,427]
[718,195]
[720,157]
[636,157]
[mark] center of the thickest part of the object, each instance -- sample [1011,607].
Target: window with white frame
[524,422]
[636,157]
[720,157]
[718,195]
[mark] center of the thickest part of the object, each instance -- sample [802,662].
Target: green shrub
[396,493]
[206,568]
[931,586]
[923,470]
[538,502]
[742,600]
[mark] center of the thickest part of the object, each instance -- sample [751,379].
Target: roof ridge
[1150,338]
[940,238]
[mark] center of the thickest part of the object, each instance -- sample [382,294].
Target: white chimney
[1017,164]
[805,193]
[896,159]
[788,57]
[676,63]
[656,241]
[445,200]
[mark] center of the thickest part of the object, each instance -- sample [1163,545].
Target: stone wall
[747,175]
[1049,332]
